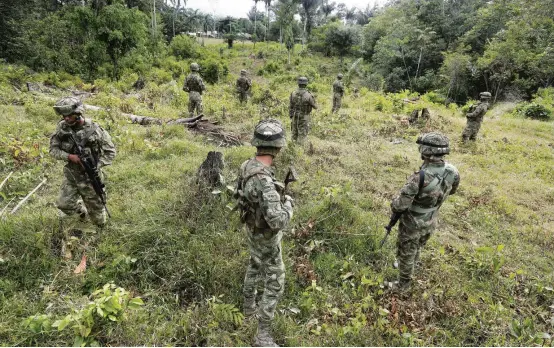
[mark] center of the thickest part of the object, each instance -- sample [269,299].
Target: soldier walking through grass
[418,203]
[475,117]
[194,86]
[244,84]
[301,103]
[265,215]
[338,93]
[77,194]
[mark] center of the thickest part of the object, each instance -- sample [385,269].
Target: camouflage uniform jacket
[94,140]
[262,208]
[244,84]
[301,103]
[194,83]
[478,112]
[419,208]
[338,88]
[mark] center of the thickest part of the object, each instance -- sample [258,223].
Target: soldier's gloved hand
[290,200]
[74,159]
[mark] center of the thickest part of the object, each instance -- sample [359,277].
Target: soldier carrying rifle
[86,148]
[417,205]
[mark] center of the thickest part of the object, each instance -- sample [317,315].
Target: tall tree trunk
[255,26]
[305,23]
[281,39]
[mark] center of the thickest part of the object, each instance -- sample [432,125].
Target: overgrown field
[486,277]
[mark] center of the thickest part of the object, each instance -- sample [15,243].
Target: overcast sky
[239,8]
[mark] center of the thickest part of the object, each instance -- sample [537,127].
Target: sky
[239,8]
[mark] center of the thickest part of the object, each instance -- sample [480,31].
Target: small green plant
[108,304]
[224,313]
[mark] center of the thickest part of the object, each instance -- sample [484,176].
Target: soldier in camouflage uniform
[265,215]
[419,202]
[338,93]
[475,117]
[194,86]
[301,104]
[243,86]
[96,142]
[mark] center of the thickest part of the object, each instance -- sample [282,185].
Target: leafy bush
[270,68]
[212,70]
[182,46]
[534,111]
[108,304]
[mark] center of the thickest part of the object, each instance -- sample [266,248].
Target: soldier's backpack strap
[421,182]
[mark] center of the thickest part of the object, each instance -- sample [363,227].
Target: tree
[267,6]
[121,30]
[327,8]
[341,39]
[309,7]
[285,11]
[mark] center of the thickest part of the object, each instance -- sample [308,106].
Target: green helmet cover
[485,95]
[69,106]
[433,144]
[269,133]
[302,80]
[194,67]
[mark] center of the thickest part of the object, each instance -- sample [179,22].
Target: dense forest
[456,47]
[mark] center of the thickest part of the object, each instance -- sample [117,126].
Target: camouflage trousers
[243,97]
[471,130]
[75,186]
[300,128]
[266,263]
[337,102]
[195,104]
[409,244]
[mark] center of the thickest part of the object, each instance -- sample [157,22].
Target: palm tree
[267,6]
[255,15]
[308,6]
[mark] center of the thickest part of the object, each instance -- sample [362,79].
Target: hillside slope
[487,273]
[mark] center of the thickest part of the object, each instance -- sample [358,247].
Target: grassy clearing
[487,272]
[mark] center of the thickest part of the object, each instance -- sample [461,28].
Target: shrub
[269,68]
[534,111]
[183,46]
[212,70]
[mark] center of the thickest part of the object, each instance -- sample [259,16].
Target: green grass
[184,252]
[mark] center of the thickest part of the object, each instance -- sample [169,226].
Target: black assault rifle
[291,176]
[393,220]
[89,165]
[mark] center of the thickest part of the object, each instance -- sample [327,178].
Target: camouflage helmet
[194,67]
[269,133]
[69,106]
[302,80]
[243,72]
[433,144]
[339,76]
[485,95]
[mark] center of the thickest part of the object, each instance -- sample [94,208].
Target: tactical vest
[242,83]
[194,84]
[90,145]
[337,88]
[250,211]
[300,100]
[431,196]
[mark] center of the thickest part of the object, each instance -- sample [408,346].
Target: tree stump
[210,172]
